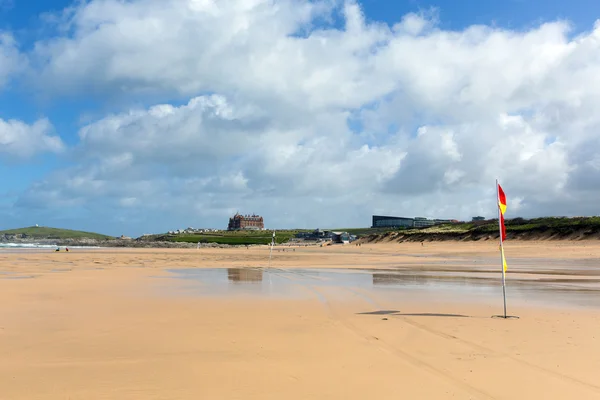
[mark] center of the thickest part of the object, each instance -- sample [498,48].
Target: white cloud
[210,151]
[11,60]
[332,123]
[21,140]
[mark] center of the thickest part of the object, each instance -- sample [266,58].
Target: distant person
[66,249]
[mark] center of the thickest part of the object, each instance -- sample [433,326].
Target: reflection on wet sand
[241,275]
[421,279]
[476,287]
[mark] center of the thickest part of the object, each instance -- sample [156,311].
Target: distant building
[317,234]
[340,237]
[478,219]
[420,222]
[245,222]
[380,221]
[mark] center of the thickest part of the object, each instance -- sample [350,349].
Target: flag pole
[271,250]
[270,254]
[501,247]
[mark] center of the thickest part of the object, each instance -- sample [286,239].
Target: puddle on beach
[414,285]
[17,277]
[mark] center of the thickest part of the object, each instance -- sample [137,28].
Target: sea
[40,246]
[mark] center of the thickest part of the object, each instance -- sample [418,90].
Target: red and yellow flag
[502,206]
[501,200]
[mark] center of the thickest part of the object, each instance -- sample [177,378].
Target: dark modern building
[421,222]
[241,222]
[380,221]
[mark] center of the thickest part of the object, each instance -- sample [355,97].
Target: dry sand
[113,324]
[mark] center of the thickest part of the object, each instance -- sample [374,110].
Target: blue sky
[26,99]
[513,14]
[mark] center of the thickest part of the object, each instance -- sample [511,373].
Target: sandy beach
[382,321]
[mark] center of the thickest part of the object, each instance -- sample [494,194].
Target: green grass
[43,232]
[445,228]
[240,238]
[546,223]
[260,237]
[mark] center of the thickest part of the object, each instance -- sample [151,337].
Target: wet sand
[380,321]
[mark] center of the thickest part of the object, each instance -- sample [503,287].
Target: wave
[40,246]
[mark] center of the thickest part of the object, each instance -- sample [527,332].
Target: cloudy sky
[139,116]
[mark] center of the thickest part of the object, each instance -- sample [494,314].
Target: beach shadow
[380,312]
[432,315]
[400,314]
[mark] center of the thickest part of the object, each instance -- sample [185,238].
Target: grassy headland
[239,238]
[42,232]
